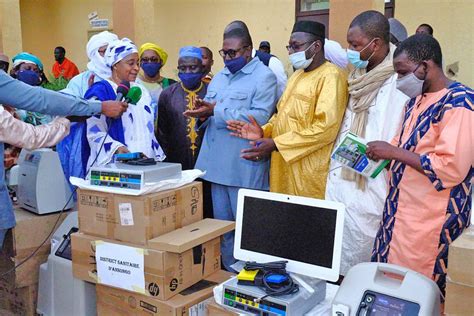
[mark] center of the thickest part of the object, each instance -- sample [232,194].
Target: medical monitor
[306,232]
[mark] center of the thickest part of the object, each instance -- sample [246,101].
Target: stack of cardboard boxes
[150,254]
[460,280]
[19,288]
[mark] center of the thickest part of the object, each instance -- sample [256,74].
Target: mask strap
[424,78]
[309,48]
[368,45]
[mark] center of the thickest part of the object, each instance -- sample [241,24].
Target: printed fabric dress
[424,213]
[135,129]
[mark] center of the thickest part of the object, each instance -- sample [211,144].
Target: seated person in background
[430,179]
[134,131]
[152,59]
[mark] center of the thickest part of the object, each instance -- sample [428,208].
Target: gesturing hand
[202,109]
[246,130]
[262,148]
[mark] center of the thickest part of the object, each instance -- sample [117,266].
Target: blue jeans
[224,201]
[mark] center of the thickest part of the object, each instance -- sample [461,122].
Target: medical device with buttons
[379,289]
[304,232]
[134,177]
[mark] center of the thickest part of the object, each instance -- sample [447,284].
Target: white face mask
[410,84]
[299,61]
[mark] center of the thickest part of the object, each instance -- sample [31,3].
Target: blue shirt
[252,90]
[16,93]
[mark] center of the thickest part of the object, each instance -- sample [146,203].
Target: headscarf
[97,63]
[25,57]
[150,46]
[190,51]
[118,50]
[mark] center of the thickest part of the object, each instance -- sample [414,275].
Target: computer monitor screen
[306,232]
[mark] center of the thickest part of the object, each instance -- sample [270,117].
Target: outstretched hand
[202,109]
[246,130]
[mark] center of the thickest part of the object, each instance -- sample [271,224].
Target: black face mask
[4,66]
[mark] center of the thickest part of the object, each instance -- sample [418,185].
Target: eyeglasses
[149,60]
[230,52]
[295,47]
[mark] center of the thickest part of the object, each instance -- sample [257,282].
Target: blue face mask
[190,80]
[151,69]
[354,57]
[235,64]
[29,77]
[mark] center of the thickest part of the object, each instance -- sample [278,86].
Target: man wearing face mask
[176,133]
[429,200]
[152,59]
[244,87]
[301,135]
[374,112]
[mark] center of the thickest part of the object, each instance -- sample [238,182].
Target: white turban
[97,63]
[118,50]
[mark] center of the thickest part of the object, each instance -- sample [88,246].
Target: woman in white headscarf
[134,131]
[96,68]
[74,150]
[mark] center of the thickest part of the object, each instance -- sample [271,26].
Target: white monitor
[303,231]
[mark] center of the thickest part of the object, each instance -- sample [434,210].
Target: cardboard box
[19,301]
[21,241]
[112,301]
[147,270]
[25,275]
[137,219]
[459,299]
[192,235]
[461,259]
[30,231]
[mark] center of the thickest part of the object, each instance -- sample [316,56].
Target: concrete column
[342,12]
[10,27]
[134,19]
[123,13]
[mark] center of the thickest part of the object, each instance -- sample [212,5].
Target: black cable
[60,213]
[269,269]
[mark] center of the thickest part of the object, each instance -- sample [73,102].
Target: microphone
[134,95]
[122,90]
